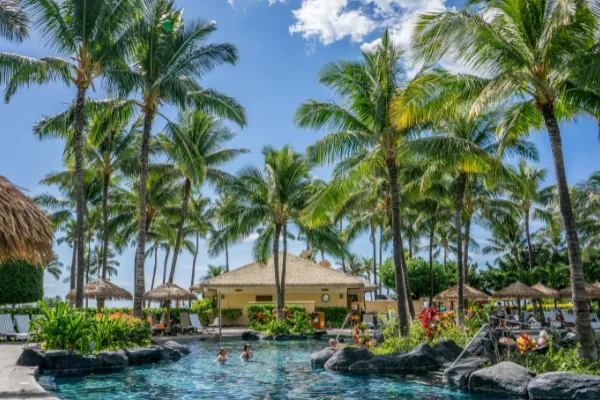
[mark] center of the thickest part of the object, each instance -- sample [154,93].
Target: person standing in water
[222,357]
[247,353]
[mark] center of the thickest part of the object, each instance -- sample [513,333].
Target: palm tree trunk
[105,224]
[89,262]
[284,266]
[73,266]
[79,192]
[409,304]
[226,256]
[343,258]
[462,180]
[154,272]
[184,207]
[431,265]
[195,257]
[373,229]
[380,254]
[139,284]
[583,323]
[276,270]
[403,323]
[445,259]
[528,235]
[167,252]
[466,252]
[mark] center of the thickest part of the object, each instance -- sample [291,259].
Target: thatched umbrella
[591,291]
[469,293]
[518,291]
[25,230]
[167,292]
[101,289]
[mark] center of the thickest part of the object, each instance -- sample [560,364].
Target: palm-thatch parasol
[101,289]
[592,292]
[167,292]
[518,291]
[469,293]
[25,230]
[548,292]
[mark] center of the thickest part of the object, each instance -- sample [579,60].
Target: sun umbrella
[592,292]
[469,293]
[518,291]
[167,292]
[546,291]
[25,230]
[101,289]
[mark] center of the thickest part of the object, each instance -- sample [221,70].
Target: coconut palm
[364,124]
[221,235]
[196,147]
[268,202]
[199,223]
[85,34]
[54,267]
[545,70]
[169,58]
[13,21]
[214,271]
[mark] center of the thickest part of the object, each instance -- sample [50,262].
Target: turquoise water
[279,370]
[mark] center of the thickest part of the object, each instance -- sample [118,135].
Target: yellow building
[306,283]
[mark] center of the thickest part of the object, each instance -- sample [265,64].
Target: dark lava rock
[179,348]
[288,337]
[504,379]
[569,340]
[481,347]
[345,357]
[319,358]
[319,334]
[251,335]
[422,359]
[31,357]
[458,376]
[145,354]
[564,385]
[113,358]
[68,361]
[447,350]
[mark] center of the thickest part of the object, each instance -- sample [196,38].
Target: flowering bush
[360,336]
[525,343]
[435,322]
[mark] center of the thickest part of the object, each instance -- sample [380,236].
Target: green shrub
[262,318]
[20,282]
[562,359]
[334,316]
[232,314]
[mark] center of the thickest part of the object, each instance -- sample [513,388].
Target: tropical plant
[213,271]
[13,21]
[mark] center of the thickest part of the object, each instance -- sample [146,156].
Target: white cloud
[252,237]
[331,20]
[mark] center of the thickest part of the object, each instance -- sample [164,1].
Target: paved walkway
[16,382]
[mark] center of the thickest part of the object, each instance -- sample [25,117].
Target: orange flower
[525,343]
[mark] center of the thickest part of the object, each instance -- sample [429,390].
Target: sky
[282,45]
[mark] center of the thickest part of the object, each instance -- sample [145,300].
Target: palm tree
[168,60]
[214,271]
[524,190]
[546,70]
[364,124]
[54,267]
[268,202]
[13,21]
[195,146]
[86,34]
[222,235]
[200,222]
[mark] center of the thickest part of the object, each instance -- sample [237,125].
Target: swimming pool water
[279,370]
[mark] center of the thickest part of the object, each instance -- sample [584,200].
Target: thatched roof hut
[101,289]
[168,292]
[546,291]
[469,293]
[300,272]
[25,230]
[591,291]
[517,291]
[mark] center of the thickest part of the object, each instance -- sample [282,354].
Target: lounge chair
[8,329]
[569,318]
[550,316]
[186,325]
[369,321]
[23,323]
[198,325]
[156,330]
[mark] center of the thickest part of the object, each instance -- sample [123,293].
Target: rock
[504,379]
[68,361]
[113,358]
[31,357]
[345,357]
[319,334]
[180,348]
[569,340]
[422,359]
[145,354]
[319,358]
[251,335]
[481,347]
[383,363]
[447,350]
[458,376]
[564,385]
[288,337]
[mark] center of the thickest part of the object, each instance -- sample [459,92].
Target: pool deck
[17,382]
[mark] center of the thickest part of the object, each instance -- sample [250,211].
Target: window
[264,299]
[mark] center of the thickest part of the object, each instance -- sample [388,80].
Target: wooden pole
[220,317]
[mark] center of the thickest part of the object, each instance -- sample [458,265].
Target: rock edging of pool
[63,362]
[253,335]
[505,379]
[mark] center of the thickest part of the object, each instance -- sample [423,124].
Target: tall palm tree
[540,57]
[364,124]
[200,222]
[222,235]
[268,202]
[214,271]
[169,57]
[524,190]
[54,267]
[85,34]
[196,147]
[13,21]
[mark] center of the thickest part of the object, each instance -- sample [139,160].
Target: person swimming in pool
[222,357]
[247,353]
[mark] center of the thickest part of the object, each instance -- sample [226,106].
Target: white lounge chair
[198,325]
[549,316]
[369,321]
[8,329]
[23,323]
[569,318]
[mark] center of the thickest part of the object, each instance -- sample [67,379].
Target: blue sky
[282,45]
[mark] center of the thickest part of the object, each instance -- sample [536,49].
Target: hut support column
[168,319]
[220,316]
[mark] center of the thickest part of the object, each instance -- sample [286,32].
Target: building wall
[381,306]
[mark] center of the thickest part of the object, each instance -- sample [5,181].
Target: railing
[344,324]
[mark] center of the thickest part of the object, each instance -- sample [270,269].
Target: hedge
[253,309]
[21,282]
[334,316]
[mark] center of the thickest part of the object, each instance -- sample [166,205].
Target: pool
[279,370]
